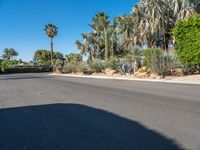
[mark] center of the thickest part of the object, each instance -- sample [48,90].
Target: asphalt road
[41,112]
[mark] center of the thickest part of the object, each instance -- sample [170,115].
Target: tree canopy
[45,56]
[149,24]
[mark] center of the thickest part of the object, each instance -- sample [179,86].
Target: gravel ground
[191,79]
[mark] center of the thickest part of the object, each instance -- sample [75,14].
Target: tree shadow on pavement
[75,127]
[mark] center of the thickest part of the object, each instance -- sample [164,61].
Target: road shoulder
[193,79]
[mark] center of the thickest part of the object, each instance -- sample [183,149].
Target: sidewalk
[193,79]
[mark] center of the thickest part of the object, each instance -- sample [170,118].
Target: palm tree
[92,45]
[14,53]
[7,53]
[114,37]
[156,21]
[128,29]
[102,25]
[80,47]
[51,31]
[86,47]
[10,53]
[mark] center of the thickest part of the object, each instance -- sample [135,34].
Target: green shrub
[7,64]
[187,35]
[27,69]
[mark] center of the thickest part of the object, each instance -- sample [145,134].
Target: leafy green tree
[44,56]
[8,64]
[187,35]
[51,31]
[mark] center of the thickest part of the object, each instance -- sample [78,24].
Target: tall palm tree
[51,31]
[114,37]
[102,25]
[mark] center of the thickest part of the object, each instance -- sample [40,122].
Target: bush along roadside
[150,61]
[27,69]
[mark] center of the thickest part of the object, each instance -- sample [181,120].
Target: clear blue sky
[22,22]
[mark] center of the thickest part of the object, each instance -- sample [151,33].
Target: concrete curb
[126,79]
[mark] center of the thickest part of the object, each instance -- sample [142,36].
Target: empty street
[42,112]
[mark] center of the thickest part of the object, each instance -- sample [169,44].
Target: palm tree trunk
[106,45]
[51,51]
[164,42]
[113,47]
[90,56]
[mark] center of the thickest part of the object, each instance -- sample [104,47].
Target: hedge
[27,69]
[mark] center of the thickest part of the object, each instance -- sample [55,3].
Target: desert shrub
[69,68]
[188,70]
[58,65]
[154,60]
[85,68]
[161,62]
[172,60]
[112,63]
[97,65]
[125,66]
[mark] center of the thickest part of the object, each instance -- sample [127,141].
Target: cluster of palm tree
[102,41]
[149,24]
[10,53]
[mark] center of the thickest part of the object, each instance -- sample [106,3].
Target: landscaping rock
[110,72]
[152,76]
[141,75]
[178,72]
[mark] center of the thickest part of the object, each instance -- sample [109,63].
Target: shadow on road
[75,127]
